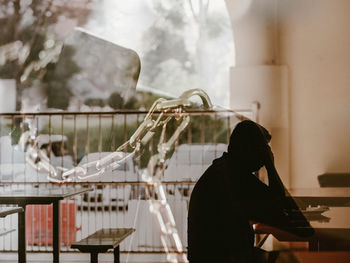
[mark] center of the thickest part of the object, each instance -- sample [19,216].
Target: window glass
[183,44]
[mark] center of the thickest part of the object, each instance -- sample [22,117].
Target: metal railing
[120,201]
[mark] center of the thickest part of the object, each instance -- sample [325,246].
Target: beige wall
[312,40]
[267,84]
[315,45]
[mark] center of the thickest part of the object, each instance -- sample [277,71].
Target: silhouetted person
[229,196]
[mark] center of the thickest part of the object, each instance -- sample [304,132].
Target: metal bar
[12,170]
[99,134]
[75,143]
[93,257]
[116,254]
[118,112]
[87,146]
[67,238]
[125,137]
[56,238]
[62,142]
[113,135]
[81,217]
[22,235]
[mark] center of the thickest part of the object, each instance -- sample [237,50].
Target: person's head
[248,144]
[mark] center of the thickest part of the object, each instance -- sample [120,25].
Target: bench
[103,240]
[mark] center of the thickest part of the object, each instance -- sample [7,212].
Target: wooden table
[329,196]
[42,196]
[332,232]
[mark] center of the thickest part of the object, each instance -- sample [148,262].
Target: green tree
[116,101]
[130,104]
[94,102]
[56,78]
[58,95]
[146,100]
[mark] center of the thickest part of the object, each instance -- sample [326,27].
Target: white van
[109,195]
[13,166]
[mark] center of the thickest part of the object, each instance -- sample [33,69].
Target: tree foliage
[116,101]
[164,41]
[56,78]
[94,102]
[131,103]
[30,22]
[58,95]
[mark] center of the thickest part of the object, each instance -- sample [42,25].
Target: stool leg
[93,257]
[116,255]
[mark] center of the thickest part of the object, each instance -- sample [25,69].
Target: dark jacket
[223,202]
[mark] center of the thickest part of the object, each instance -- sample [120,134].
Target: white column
[257,75]
[7,95]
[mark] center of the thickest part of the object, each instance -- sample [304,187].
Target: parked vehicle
[108,194]
[13,166]
[189,161]
[187,164]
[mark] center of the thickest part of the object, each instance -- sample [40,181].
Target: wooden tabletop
[33,194]
[8,210]
[332,232]
[334,218]
[330,196]
[339,218]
